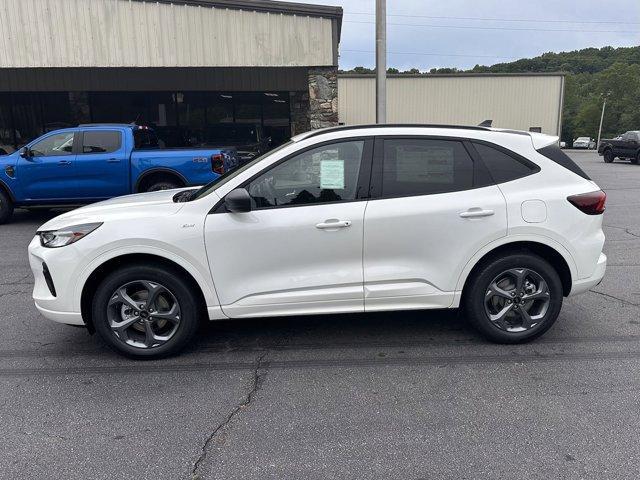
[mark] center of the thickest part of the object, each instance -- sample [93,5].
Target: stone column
[323,97]
[299,104]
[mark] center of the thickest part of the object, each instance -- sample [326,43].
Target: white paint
[534,211]
[413,252]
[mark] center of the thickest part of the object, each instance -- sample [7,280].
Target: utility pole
[604,104]
[381,61]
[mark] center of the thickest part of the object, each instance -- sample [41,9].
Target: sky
[462,33]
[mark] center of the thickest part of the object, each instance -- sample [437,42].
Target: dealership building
[183,66]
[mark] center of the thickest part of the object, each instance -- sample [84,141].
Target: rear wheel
[608,156]
[146,311]
[513,299]
[6,207]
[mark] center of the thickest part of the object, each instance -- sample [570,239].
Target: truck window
[145,139]
[57,144]
[101,142]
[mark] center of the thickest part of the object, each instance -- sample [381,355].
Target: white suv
[353,219]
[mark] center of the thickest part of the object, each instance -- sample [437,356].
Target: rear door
[49,174]
[432,208]
[102,164]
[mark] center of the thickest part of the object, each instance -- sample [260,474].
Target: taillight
[591,203]
[217,163]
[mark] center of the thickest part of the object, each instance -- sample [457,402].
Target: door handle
[64,162]
[477,213]
[331,224]
[113,160]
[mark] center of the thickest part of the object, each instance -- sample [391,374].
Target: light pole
[381,61]
[604,105]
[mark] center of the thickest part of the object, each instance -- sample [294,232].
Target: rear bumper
[585,284]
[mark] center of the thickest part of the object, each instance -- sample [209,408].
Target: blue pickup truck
[89,163]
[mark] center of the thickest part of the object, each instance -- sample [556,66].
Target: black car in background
[626,146]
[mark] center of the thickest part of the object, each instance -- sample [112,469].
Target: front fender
[199,273]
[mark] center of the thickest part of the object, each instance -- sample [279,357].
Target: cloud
[429,33]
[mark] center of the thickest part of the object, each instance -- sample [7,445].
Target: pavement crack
[259,373]
[16,292]
[613,297]
[19,281]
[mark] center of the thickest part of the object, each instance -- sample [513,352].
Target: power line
[485,19]
[470,27]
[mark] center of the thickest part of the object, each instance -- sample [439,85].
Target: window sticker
[332,174]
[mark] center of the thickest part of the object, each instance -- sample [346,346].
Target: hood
[155,204]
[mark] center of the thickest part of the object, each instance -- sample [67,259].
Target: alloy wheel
[143,314]
[517,300]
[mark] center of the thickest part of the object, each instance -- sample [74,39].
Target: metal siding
[517,102]
[122,33]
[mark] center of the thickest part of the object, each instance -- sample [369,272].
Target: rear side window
[145,139]
[553,152]
[502,166]
[424,167]
[101,142]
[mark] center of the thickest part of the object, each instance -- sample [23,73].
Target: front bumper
[59,306]
[585,284]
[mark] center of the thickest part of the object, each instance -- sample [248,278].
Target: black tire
[6,207]
[179,289]
[608,156]
[636,160]
[477,293]
[160,184]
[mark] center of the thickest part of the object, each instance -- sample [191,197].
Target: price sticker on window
[332,174]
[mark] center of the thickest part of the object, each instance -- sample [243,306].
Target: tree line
[592,74]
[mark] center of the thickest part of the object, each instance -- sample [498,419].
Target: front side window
[424,167]
[324,174]
[54,145]
[101,142]
[502,167]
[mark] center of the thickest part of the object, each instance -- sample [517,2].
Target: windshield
[582,139]
[222,179]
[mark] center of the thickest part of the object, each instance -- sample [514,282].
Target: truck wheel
[6,207]
[161,185]
[608,156]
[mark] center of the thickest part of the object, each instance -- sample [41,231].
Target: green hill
[593,72]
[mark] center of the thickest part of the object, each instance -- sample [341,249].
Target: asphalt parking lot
[400,396]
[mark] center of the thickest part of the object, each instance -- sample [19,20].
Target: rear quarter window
[504,167]
[553,152]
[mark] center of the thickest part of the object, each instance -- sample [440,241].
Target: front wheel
[608,156]
[6,207]
[146,311]
[513,299]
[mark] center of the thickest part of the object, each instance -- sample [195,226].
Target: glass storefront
[180,118]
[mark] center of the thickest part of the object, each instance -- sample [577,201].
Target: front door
[299,250]
[48,173]
[425,222]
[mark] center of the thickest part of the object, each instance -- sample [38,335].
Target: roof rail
[315,133]
[107,124]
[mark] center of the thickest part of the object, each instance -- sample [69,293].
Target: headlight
[66,236]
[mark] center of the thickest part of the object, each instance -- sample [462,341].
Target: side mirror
[238,201]
[25,152]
